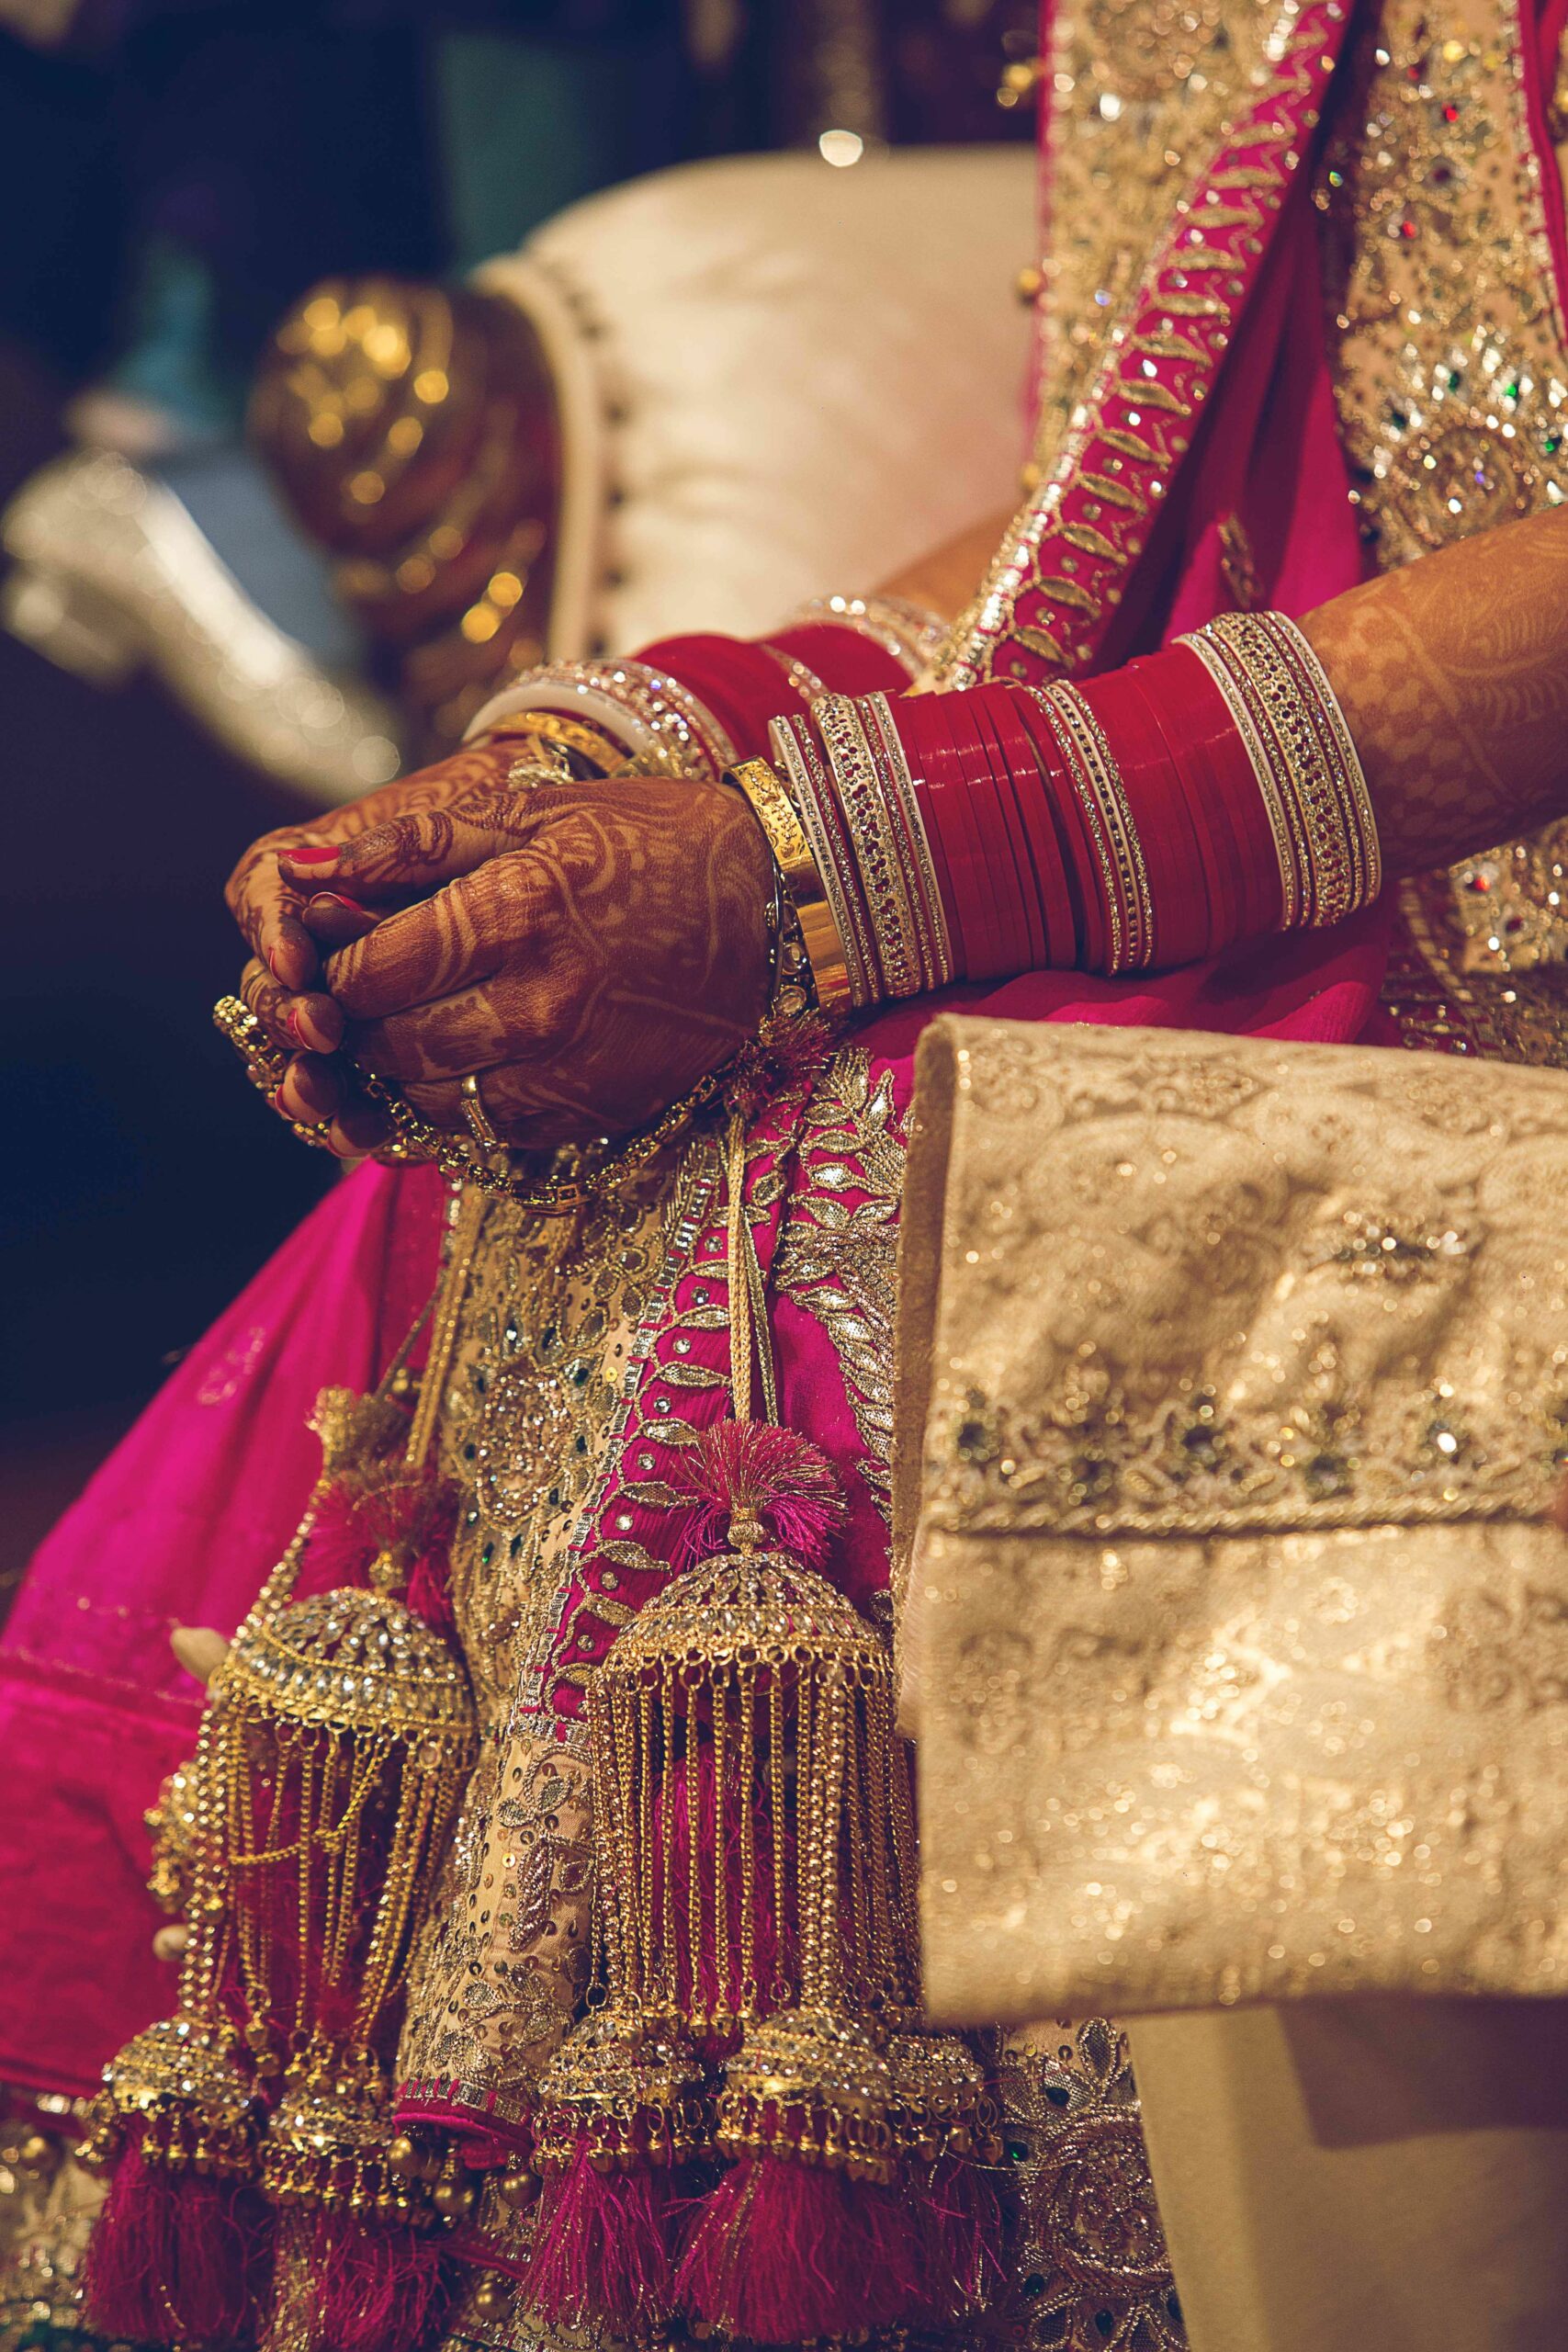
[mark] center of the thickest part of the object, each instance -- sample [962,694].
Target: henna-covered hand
[590,951]
[268,902]
[283,874]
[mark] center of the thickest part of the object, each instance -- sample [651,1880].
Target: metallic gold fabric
[1449,354]
[1236,1646]
[839,1238]
[1448,350]
[1140,89]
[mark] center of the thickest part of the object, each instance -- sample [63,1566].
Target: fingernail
[291,1023]
[311,856]
[336,898]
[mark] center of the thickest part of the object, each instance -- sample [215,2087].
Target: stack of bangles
[693,707]
[1206,795]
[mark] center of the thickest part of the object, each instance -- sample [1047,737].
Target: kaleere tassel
[943,2117]
[622,2111]
[338,1736]
[756,1875]
[174,2255]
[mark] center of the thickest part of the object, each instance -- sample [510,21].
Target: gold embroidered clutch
[1231,1390]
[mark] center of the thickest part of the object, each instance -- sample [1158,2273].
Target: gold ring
[474,1112]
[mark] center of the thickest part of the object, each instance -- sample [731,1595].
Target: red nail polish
[337,898]
[312,854]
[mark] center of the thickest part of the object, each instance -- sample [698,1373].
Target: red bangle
[846,659]
[1038,789]
[1042,866]
[1002,750]
[1080,868]
[743,685]
[950,823]
[1214,771]
[1183,891]
[1003,942]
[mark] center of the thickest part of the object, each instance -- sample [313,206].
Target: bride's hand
[588,950]
[268,902]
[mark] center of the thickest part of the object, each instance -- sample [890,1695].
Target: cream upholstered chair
[775,378]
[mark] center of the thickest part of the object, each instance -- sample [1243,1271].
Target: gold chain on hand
[415,1139]
[793,1007]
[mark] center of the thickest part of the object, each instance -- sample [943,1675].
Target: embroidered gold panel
[1451,366]
[1237,1635]
[537,1424]
[538,1385]
[1137,90]
[838,1241]
[1086,2261]
[1449,357]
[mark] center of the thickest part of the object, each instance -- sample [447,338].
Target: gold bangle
[609,757]
[1291,849]
[1302,756]
[1102,796]
[795,746]
[899,786]
[869,822]
[660,725]
[1339,749]
[774,812]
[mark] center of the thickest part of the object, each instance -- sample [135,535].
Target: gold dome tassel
[337,1740]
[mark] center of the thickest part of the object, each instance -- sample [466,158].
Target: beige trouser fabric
[1384,2174]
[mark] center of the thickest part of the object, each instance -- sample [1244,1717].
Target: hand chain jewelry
[414,1139]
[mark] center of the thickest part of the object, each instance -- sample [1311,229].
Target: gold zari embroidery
[1235,1631]
[544,1350]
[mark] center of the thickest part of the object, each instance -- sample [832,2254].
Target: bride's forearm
[1453,675]
[1202,796]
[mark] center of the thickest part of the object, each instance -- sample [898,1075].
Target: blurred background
[326,404]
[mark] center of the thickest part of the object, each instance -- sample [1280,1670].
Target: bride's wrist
[657,724]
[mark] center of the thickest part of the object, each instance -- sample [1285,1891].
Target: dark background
[173,175]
